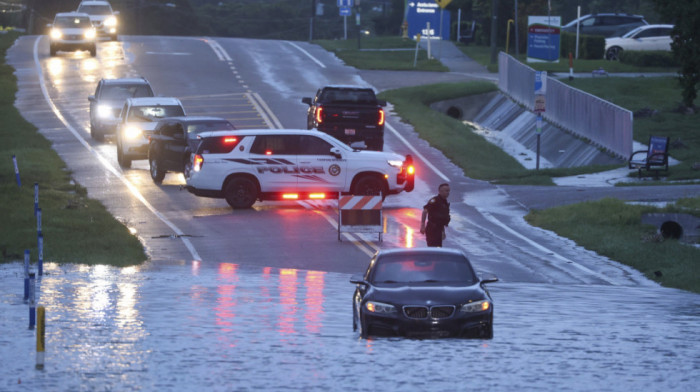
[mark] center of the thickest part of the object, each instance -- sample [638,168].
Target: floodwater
[229,327]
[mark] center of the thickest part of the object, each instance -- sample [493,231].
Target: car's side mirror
[306,100]
[490,278]
[91,98]
[115,13]
[381,102]
[358,279]
[335,151]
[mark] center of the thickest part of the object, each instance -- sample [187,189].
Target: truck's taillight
[197,163]
[319,114]
[381,117]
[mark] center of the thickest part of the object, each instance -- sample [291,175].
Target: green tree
[685,14]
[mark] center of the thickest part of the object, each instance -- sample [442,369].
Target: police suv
[249,165]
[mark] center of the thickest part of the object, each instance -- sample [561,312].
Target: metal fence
[587,116]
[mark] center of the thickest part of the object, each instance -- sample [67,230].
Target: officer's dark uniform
[438,217]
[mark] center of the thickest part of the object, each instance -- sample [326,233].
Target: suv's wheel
[96,135]
[93,50]
[52,50]
[369,185]
[123,160]
[156,169]
[613,53]
[241,193]
[113,37]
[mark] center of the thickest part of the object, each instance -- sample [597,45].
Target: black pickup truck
[349,113]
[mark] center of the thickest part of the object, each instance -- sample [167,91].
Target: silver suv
[102,17]
[607,25]
[108,100]
[72,31]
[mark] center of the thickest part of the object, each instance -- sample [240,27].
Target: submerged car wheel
[93,51]
[95,134]
[369,186]
[157,173]
[52,50]
[241,193]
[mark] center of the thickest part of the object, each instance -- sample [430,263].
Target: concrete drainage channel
[683,227]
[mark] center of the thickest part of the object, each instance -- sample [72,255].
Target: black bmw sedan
[422,293]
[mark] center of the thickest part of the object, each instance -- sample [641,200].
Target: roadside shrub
[591,47]
[655,58]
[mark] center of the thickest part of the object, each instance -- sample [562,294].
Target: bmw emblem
[334,170]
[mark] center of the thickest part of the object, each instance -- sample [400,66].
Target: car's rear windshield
[210,125]
[150,113]
[72,22]
[95,9]
[423,268]
[121,92]
[347,95]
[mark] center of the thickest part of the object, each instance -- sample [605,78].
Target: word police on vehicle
[246,166]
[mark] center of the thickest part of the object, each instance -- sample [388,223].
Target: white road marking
[103,160]
[320,64]
[171,53]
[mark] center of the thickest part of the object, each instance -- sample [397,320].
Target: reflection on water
[184,328]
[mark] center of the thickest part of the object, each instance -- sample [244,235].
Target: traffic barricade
[360,214]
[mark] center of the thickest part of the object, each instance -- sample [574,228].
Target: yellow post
[508,33]
[40,330]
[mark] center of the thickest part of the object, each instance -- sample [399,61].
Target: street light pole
[494,51]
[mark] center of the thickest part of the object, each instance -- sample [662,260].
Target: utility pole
[494,19]
[311,20]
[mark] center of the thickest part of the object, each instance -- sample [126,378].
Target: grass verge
[381,53]
[478,158]
[76,229]
[614,229]
[661,98]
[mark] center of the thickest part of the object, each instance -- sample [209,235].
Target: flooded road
[230,327]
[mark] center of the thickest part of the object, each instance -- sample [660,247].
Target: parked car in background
[175,138]
[107,103]
[648,37]
[137,120]
[72,31]
[422,292]
[102,17]
[607,24]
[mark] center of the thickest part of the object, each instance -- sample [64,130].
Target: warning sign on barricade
[360,214]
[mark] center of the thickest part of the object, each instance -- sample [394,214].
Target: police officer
[437,210]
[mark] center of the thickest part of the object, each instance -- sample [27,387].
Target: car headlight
[132,132]
[478,306]
[111,21]
[90,34]
[56,34]
[379,307]
[104,111]
[396,164]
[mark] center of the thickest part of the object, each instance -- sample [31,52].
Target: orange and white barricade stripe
[360,214]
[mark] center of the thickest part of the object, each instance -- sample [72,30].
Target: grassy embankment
[609,227]
[386,53]
[76,228]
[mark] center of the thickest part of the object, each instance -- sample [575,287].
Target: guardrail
[603,123]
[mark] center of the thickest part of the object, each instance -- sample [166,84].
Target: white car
[649,37]
[137,121]
[278,164]
[72,31]
[102,17]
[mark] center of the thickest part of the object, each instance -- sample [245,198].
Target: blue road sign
[345,3]
[345,11]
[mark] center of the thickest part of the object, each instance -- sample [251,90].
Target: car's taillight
[319,114]
[381,117]
[197,162]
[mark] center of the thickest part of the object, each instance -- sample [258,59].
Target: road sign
[539,103]
[346,3]
[540,82]
[441,3]
[345,11]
